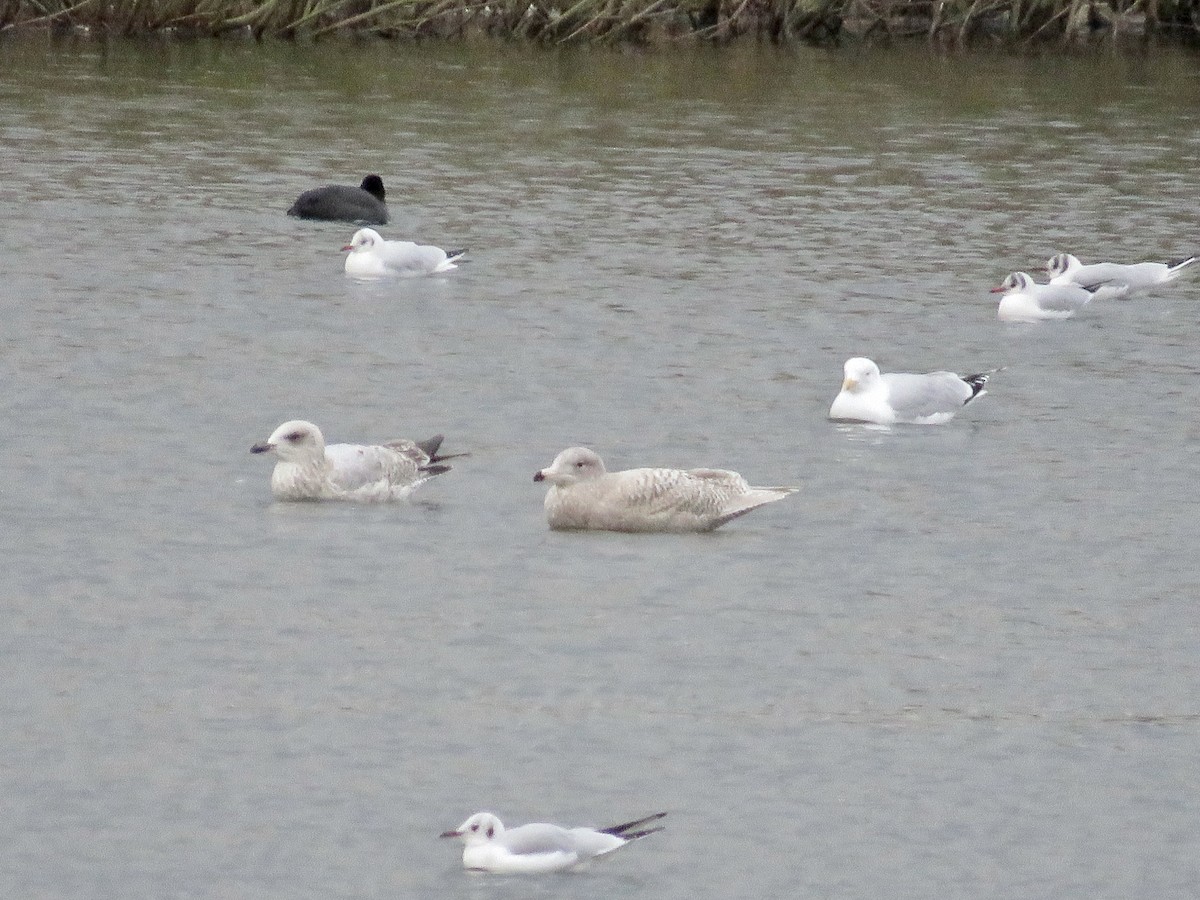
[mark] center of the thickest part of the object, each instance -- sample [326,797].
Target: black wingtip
[978,382]
[434,470]
[634,835]
[623,830]
[430,447]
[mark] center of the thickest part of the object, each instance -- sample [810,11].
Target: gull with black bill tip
[308,469]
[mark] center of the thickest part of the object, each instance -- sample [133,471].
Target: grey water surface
[963,661]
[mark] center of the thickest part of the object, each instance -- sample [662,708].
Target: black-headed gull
[307,469]
[342,203]
[1113,280]
[583,495]
[1025,300]
[929,399]
[373,257]
[538,847]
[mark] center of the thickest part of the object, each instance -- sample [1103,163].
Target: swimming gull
[1113,280]
[342,203]
[929,399]
[538,847]
[307,469]
[583,495]
[1025,300]
[373,257]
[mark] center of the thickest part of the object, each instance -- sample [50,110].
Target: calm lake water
[963,662]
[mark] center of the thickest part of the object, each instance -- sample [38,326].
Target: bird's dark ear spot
[491,832]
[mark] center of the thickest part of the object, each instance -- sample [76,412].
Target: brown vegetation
[946,22]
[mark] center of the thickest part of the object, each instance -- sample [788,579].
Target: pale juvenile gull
[583,495]
[307,469]
[1114,280]
[343,203]
[373,257]
[538,847]
[1025,300]
[929,399]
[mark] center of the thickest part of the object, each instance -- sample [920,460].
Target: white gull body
[538,847]
[583,495]
[307,469]
[929,399]
[1113,280]
[370,256]
[1025,300]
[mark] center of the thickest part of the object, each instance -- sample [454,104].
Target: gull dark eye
[475,827]
[295,436]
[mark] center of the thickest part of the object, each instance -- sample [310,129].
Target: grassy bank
[944,22]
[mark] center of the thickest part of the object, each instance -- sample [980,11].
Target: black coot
[341,203]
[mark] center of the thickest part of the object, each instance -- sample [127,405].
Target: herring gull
[929,399]
[307,469]
[343,203]
[583,495]
[538,847]
[371,256]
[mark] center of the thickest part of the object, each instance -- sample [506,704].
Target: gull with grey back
[371,257]
[929,399]
[308,469]
[1025,300]
[539,847]
[1114,280]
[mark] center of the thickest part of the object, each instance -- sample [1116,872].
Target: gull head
[294,441]
[1017,281]
[572,465]
[479,829]
[364,239]
[859,374]
[1061,264]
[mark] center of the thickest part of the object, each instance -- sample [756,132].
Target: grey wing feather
[404,256]
[354,466]
[538,838]
[1067,297]
[431,446]
[926,395]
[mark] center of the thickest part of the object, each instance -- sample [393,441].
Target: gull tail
[751,500]
[978,381]
[1174,265]
[631,831]
[452,257]
[430,447]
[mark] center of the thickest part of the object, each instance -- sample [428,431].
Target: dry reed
[946,22]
